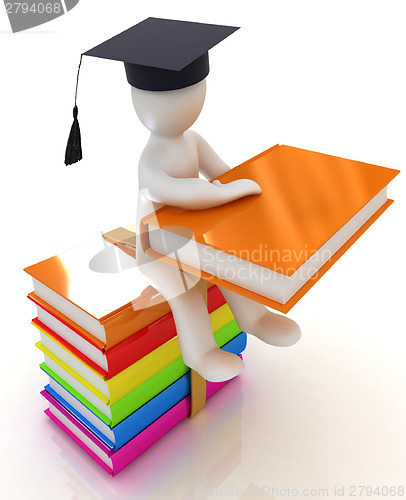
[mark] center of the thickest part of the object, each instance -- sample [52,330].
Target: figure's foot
[217,365]
[275,329]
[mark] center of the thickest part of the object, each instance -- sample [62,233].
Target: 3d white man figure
[166,64]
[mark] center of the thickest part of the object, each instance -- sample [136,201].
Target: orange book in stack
[109,319]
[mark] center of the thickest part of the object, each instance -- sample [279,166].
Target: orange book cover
[121,303]
[307,199]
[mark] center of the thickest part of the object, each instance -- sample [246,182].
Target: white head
[169,113]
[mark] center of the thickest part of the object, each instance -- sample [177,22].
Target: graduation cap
[158,55]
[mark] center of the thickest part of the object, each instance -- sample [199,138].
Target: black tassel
[73,151]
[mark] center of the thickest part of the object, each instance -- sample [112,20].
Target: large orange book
[274,246]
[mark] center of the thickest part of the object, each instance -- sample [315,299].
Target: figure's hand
[240,188]
[193,193]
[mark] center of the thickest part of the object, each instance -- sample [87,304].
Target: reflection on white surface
[197,455]
[328,412]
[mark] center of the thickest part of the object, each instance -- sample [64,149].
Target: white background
[320,75]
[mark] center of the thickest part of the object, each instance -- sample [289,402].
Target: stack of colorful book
[117,381]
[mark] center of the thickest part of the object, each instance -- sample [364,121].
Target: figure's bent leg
[257,320]
[195,334]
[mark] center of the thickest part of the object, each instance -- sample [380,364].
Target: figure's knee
[190,298]
[169,281]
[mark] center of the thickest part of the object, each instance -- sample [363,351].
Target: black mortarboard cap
[158,55]
[163,54]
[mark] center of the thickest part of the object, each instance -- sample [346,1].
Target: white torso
[176,156]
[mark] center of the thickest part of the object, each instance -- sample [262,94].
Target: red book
[93,352]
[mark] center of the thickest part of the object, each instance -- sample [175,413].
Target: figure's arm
[192,194]
[210,163]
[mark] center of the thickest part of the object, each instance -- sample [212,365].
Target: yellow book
[111,390]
